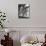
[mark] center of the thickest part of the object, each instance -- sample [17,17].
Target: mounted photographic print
[23,11]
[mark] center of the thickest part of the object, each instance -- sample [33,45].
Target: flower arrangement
[2,19]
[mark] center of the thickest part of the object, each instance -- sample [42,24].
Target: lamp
[7,31]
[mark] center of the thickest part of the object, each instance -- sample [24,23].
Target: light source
[7,31]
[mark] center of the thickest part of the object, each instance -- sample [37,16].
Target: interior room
[22,23]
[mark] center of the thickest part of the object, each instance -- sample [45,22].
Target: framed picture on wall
[23,11]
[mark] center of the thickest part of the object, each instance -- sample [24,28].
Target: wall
[37,16]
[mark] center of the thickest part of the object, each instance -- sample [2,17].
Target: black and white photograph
[23,10]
